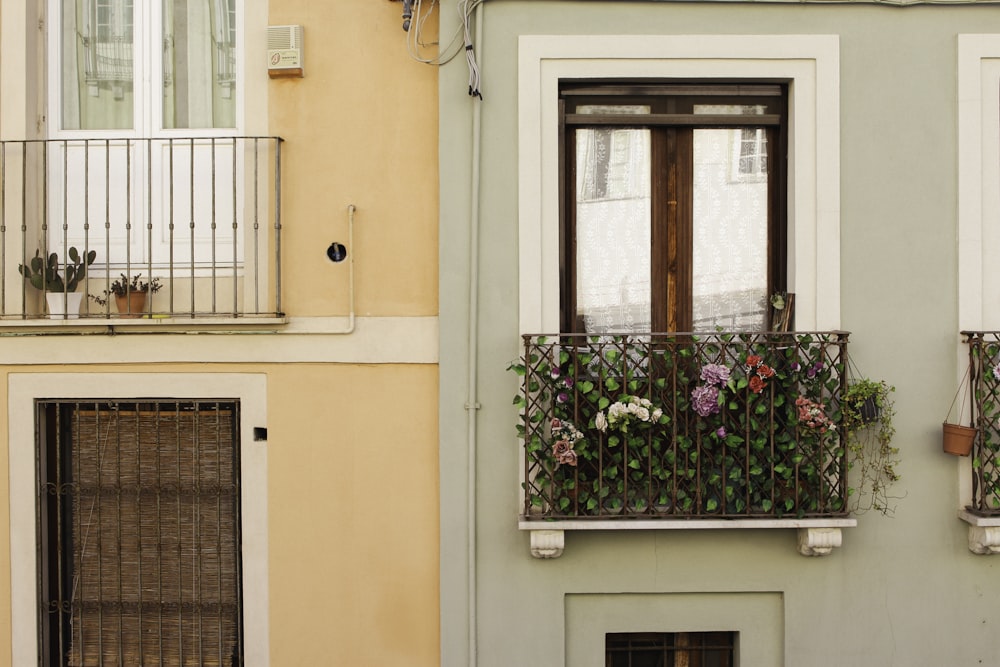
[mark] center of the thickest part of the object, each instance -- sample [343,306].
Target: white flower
[600,422]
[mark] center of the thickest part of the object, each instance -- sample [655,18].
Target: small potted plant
[130,294]
[868,410]
[60,293]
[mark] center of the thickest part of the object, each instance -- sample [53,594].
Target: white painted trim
[978,203]
[375,340]
[249,389]
[811,63]
[816,537]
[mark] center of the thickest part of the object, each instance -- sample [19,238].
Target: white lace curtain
[613,229]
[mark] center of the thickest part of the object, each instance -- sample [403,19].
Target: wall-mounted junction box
[284,51]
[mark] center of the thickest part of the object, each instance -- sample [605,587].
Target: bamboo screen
[141,525]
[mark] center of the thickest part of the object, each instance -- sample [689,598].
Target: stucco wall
[351,503]
[352,530]
[874,601]
[361,129]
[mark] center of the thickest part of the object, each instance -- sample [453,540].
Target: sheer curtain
[97,65]
[101,42]
[199,64]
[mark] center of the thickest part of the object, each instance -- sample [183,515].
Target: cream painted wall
[360,128]
[352,511]
[352,464]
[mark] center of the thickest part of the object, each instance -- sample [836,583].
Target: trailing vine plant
[868,411]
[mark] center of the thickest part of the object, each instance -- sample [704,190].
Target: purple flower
[721,432]
[705,400]
[715,374]
[796,367]
[568,381]
[815,368]
[562,397]
[555,373]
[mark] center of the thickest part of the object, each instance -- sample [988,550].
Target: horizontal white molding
[373,340]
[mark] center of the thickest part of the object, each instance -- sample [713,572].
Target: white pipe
[472,399]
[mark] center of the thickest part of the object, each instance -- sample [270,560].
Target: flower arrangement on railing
[730,425]
[984,374]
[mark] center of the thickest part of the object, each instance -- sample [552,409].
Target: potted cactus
[60,293]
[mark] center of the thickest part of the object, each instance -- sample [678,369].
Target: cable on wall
[461,41]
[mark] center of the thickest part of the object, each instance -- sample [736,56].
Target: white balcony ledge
[816,537]
[90,325]
[984,533]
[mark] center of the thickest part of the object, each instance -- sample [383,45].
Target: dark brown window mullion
[777,274]
[681,229]
[569,322]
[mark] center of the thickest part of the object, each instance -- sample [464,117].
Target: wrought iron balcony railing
[683,426]
[984,387]
[201,215]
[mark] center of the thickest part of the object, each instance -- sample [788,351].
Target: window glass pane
[199,66]
[730,230]
[622,109]
[730,109]
[613,229]
[96,65]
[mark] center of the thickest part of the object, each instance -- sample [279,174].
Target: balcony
[684,430]
[200,215]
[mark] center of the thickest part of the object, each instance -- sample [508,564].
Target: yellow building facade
[323,340]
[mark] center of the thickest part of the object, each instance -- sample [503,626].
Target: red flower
[765,371]
[756,384]
[753,361]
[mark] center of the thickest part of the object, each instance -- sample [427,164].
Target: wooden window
[673,215]
[669,649]
[139,534]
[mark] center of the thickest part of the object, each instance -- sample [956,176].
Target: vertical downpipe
[472,401]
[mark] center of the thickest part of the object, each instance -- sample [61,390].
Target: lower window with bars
[139,533]
[669,649]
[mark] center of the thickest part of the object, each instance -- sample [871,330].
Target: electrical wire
[462,40]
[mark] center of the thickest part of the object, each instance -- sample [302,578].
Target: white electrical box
[284,50]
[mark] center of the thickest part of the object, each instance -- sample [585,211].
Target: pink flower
[567,458]
[705,400]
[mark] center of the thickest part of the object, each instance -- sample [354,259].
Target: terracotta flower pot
[958,439]
[132,304]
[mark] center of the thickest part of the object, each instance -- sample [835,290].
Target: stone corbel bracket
[984,533]
[816,537]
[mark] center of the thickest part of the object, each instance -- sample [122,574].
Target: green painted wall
[901,591]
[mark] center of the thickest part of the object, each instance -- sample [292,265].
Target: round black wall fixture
[337,252]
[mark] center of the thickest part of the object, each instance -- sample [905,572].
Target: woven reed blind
[147,541]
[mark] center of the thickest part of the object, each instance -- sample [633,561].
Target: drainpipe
[472,399]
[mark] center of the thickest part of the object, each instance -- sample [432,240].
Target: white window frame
[978,210]
[810,64]
[148,76]
[249,389]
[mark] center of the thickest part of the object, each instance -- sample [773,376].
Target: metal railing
[669,426]
[984,392]
[200,215]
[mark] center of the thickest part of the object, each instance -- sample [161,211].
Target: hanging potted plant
[957,439]
[60,294]
[130,294]
[868,410]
